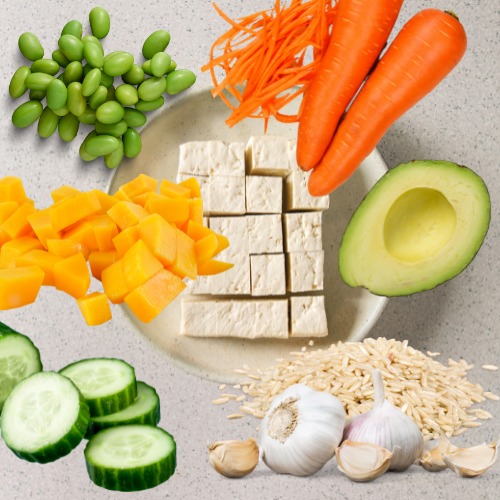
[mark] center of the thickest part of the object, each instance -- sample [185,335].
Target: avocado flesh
[420,225]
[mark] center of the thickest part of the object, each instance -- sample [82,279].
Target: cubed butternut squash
[62,192]
[185,258]
[143,198]
[126,214]
[105,199]
[125,239]
[206,248]
[83,233]
[139,264]
[12,189]
[73,209]
[17,224]
[196,210]
[71,275]
[113,282]
[7,208]
[193,185]
[100,260]
[14,248]
[104,230]
[66,247]
[198,231]
[172,190]
[44,260]
[42,226]
[149,299]
[160,237]
[139,185]
[19,286]
[94,308]
[213,266]
[174,210]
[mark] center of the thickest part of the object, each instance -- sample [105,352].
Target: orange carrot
[358,36]
[426,49]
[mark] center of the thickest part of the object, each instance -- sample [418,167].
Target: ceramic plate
[351,312]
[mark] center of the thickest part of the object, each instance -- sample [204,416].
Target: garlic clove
[472,461]
[362,462]
[234,458]
[432,459]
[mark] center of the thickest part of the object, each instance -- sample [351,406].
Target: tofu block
[271,319]
[200,286]
[264,194]
[226,158]
[235,229]
[203,181]
[265,233]
[267,155]
[235,318]
[267,273]
[303,231]
[227,194]
[305,271]
[198,318]
[193,158]
[308,316]
[235,281]
[297,195]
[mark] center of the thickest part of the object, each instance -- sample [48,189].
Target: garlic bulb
[234,458]
[473,461]
[388,427]
[362,462]
[301,430]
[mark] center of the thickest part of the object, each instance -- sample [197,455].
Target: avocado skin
[365,262]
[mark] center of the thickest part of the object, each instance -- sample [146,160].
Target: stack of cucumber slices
[46,414]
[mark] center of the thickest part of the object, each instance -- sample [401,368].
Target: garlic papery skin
[473,461]
[301,430]
[388,427]
[432,458]
[234,458]
[362,462]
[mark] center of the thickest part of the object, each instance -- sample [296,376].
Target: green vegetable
[60,58]
[146,106]
[44,418]
[61,111]
[48,66]
[74,28]
[93,39]
[91,82]
[106,80]
[37,95]
[17,86]
[179,80]
[110,112]
[83,151]
[73,73]
[88,116]
[93,53]
[134,76]
[30,46]
[102,145]
[68,127]
[132,143]
[99,22]
[38,81]
[71,47]
[146,67]
[27,114]
[57,95]
[47,124]
[19,358]
[152,88]
[156,42]
[98,97]
[112,160]
[172,67]
[117,63]
[126,94]
[160,63]
[130,457]
[114,129]
[134,118]
[76,101]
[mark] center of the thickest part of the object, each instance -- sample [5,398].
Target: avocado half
[420,225]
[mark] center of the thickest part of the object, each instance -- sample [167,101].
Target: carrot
[358,36]
[426,49]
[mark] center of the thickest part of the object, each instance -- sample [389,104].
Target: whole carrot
[426,49]
[359,33]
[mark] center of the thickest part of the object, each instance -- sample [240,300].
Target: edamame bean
[126,94]
[93,54]
[91,38]
[102,145]
[45,66]
[60,58]
[146,67]
[106,80]
[150,105]
[68,127]
[47,124]
[99,22]
[30,46]
[91,82]
[172,66]
[132,143]
[179,80]
[152,88]
[73,73]
[38,81]
[57,95]
[27,114]
[111,93]
[76,101]
[17,85]
[117,63]
[160,63]
[114,129]
[88,116]
[156,42]
[134,118]
[110,112]
[71,47]
[62,111]
[74,28]
[37,95]
[112,160]
[98,97]
[83,152]
[134,76]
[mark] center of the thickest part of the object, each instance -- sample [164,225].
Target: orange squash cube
[198,231]
[104,230]
[206,248]
[83,233]
[125,239]
[12,189]
[185,264]
[73,209]
[7,208]
[14,248]
[126,214]
[193,185]
[172,190]
[44,260]
[149,299]
[19,286]
[100,260]
[62,192]
[42,226]
[139,264]
[160,237]
[66,247]
[71,275]
[196,210]
[17,224]
[212,266]
[174,210]
[141,184]
[114,283]
[105,199]
[94,308]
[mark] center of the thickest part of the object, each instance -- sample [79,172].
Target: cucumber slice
[107,384]
[130,457]
[19,358]
[144,410]
[44,418]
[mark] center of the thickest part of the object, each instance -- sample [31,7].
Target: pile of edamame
[79,85]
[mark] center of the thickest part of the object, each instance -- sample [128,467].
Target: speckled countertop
[459,121]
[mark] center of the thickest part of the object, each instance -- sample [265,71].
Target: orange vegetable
[104,230]
[114,283]
[14,248]
[44,260]
[94,308]
[212,266]
[105,199]
[83,233]
[196,210]
[426,49]
[358,36]
[148,300]
[160,237]
[98,261]
[185,264]
[198,231]
[7,208]
[71,275]
[126,214]
[206,248]
[73,209]
[193,185]
[12,189]
[66,247]
[175,210]
[125,239]
[17,224]
[64,192]
[172,190]
[42,226]
[139,185]
[139,264]
[19,286]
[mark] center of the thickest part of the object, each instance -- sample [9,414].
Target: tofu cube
[235,318]
[305,271]
[267,273]
[264,194]
[297,195]
[226,158]
[308,316]
[227,194]
[235,229]
[235,281]
[267,155]
[303,231]
[193,158]
[271,319]
[265,233]
[203,181]
[198,318]
[199,286]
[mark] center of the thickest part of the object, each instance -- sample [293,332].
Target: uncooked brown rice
[438,397]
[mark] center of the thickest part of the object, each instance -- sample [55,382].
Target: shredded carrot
[267,58]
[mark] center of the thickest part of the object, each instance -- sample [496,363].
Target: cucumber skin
[138,479]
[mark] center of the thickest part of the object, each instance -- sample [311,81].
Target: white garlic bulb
[388,427]
[301,430]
